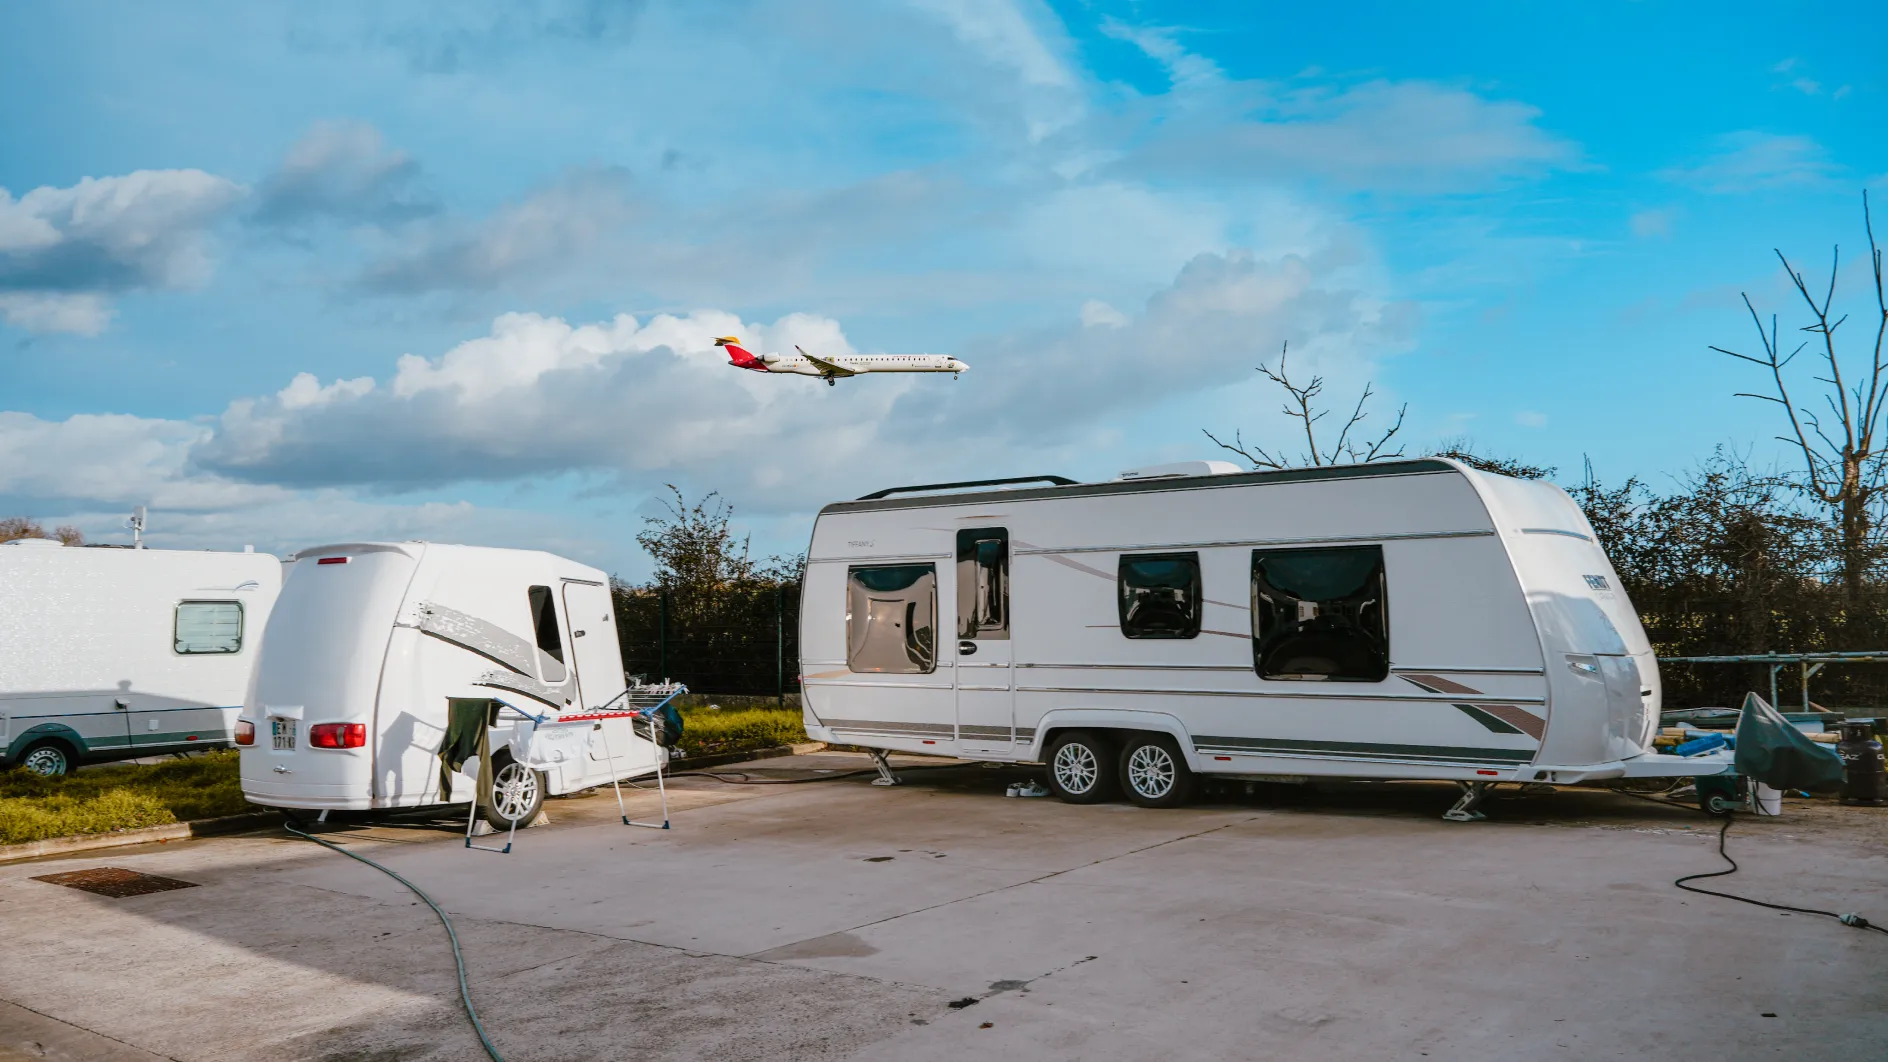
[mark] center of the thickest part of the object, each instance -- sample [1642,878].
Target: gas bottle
[1863,782]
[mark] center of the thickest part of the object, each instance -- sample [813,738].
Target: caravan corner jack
[885,775]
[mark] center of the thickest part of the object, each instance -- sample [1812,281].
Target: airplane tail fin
[738,355]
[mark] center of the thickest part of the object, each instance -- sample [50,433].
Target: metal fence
[740,639]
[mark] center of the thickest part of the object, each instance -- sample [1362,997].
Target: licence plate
[283,733]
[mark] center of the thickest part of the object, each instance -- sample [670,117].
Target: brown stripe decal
[1438,684]
[1526,722]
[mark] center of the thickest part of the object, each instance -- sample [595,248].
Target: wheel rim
[45,761]
[514,790]
[1151,771]
[1076,768]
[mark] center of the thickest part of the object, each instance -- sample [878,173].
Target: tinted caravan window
[1159,595]
[1320,614]
[983,583]
[891,619]
[544,621]
[208,627]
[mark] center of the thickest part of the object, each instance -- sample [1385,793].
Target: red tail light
[332,560]
[245,732]
[337,735]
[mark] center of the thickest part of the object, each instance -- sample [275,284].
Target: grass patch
[119,797]
[706,732]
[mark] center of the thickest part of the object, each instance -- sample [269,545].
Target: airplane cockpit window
[1320,614]
[891,619]
[1160,595]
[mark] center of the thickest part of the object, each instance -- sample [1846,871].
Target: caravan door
[598,661]
[986,685]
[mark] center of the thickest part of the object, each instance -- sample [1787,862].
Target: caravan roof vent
[1182,468]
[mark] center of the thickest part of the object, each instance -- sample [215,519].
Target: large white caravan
[1406,619]
[109,653]
[369,642]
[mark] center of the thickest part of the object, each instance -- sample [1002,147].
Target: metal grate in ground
[115,882]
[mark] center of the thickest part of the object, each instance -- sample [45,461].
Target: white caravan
[369,641]
[1406,619]
[110,653]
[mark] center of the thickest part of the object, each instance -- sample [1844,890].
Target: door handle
[576,634]
[121,704]
[966,648]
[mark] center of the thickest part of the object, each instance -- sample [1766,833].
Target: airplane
[831,369]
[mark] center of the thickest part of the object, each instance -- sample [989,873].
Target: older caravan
[113,653]
[349,709]
[1406,619]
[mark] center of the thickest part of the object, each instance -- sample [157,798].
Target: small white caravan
[369,642]
[1400,619]
[109,653]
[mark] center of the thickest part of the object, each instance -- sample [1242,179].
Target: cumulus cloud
[62,250]
[344,171]
[1750,161]
[638,402]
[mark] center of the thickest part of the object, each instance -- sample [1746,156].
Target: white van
[369,642]
[1400,619]
[109,653]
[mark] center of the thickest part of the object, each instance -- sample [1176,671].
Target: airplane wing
[825,366]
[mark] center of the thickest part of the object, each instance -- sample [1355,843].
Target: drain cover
[115,882]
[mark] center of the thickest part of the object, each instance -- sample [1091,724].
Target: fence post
[662,637]
[780,644]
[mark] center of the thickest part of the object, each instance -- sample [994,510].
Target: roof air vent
[1181,468]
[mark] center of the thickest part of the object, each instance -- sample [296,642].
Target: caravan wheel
[517,793]
[1154,774]
[1081,767]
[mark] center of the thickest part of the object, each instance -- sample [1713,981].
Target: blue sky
[294,273]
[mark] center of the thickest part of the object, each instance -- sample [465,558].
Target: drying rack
[640,701]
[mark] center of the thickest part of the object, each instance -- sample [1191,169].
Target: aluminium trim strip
[1440,698]
[1554,531]
[1247,668]
[1363,750]
[1259,542]
[880,685]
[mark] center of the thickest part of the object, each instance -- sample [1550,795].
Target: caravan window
[1319,614]
[544,621]
[208,627]
[983,583]
[891,619]
[1160,595]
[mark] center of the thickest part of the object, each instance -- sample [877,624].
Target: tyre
[517,793]
[1153,772]
[50,758]
[1082,767]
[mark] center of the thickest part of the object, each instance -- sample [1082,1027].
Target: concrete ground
[939,920]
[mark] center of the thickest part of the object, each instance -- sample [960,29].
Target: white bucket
[1769,801]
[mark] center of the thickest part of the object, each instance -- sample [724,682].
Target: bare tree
[1843,461]
[14,527]
[1302,408]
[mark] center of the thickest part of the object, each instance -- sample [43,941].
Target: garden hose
[458,959]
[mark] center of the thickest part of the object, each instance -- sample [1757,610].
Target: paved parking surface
[839,920]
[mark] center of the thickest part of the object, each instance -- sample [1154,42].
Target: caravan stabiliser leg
[885,775]
[1464,809]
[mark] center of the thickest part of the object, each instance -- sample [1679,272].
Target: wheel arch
[58,732]
[1123,721]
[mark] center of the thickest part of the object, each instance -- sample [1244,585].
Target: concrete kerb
[262,820]
[176,831]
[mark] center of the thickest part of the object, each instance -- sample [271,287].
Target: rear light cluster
[337,735]
[332,560]
[245,732]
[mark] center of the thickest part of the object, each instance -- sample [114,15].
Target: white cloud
[104,235]
[82,314]
[1750,161]
[1015,36]
[549,230]
[1098,314]
[641,402]
[345,171]
[1650,223]
[1528,418]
